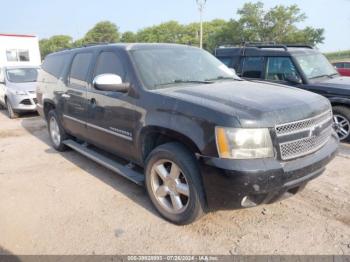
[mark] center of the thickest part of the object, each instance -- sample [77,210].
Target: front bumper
[243,183]
[23,102]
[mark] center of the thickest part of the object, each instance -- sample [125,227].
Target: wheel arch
[153,136]
[48,105]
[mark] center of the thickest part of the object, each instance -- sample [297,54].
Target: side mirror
[110,82]
[293,79]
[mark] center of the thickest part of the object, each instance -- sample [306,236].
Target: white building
[19,50]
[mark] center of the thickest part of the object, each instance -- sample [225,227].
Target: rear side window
[253,67]
[109,63]
[347,65]
[230,61]
[80,68]
[54,65]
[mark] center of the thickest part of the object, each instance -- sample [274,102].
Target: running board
[123,170]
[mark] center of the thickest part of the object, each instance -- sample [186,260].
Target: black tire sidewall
[63,135]
[183,158]
[11,113]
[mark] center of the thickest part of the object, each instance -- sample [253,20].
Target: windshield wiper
[181,81]
[321,76]
[223,78]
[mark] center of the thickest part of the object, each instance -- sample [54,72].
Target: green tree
[128,37]
[54,43]
[278,24]
[104,31]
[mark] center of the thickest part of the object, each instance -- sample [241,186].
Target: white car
[18,89]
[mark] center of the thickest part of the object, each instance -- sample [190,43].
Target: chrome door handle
[65,96]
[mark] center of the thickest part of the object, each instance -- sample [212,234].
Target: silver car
[18,89]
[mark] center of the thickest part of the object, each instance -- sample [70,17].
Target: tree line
[255,23]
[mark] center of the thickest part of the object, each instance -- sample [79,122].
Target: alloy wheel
[169,186]
[55,131]
[342,126]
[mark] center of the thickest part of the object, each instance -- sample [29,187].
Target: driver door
[111,114]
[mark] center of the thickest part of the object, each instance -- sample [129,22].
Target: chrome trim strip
[99,128]
[110,132]
[74,119]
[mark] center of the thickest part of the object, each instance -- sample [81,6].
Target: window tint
[253,67]
[23,55]
[347,65]
[339,65]
[226,60]
[80,68]
[15,55]
[54,65]
[109,63]
[280,69]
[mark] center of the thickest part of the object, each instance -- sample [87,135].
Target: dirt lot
[52,203]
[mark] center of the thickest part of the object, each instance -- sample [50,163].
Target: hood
[253,104]
[337,85]
[28,87]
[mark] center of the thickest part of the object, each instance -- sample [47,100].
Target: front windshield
[165,67]
[22,75]
[315,65]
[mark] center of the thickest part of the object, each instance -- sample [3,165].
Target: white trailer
[19,50]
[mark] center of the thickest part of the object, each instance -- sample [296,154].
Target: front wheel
[173,183]
[341,117]
[11,113]
[56,132]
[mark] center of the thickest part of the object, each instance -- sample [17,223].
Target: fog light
[247,202]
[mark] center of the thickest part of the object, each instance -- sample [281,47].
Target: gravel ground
[63,203]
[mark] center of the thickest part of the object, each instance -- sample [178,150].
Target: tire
[174,186]
[342,122]
[11,113]
[56,131]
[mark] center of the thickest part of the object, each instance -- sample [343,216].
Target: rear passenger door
[75,103]
[111,116]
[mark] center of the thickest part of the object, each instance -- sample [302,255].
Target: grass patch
[338,56]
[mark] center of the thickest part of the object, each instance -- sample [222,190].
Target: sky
[75,17]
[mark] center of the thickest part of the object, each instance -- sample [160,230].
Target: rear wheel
[11,113]
[56,132]
[174,184]
[341,116]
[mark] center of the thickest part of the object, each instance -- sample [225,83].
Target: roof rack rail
[300,46]
[93,44]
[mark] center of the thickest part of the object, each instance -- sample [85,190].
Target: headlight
[241,143]
[20,93]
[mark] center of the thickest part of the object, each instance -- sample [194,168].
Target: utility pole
[201,5]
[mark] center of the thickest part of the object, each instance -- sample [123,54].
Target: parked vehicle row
[179,121]
[343,68]
[297,66]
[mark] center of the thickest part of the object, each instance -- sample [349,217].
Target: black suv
[294,65]
[176,119]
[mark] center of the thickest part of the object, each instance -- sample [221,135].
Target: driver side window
[280,69]
[109,63]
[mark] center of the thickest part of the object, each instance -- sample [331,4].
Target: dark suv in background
[176,119]
[294,65]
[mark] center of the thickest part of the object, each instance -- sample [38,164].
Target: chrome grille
[305,136]
[301,125]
